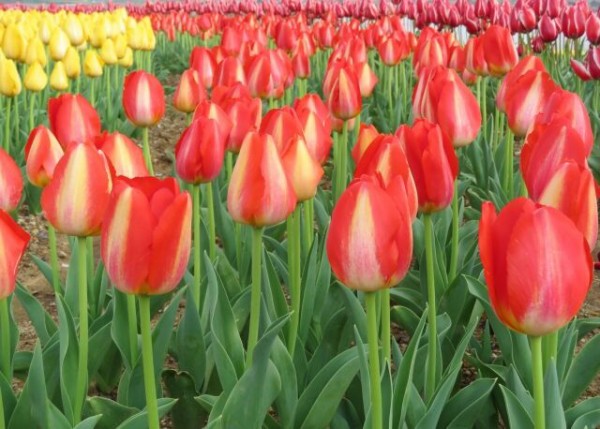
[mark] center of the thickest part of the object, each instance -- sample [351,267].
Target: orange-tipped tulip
[75,200]
[537,266]
[260,192]
[366,135]
[203,61]
[42,153]
[303,170]
[125,156]
[283,125]
[369,244]
[73,120]
[344,99]
[229,72]
[189,92]
[148,221]
[11,183]
[211,110]
[245,113]
[143,99]
[318,139]
[13,241]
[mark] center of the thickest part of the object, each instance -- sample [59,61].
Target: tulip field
[300,214]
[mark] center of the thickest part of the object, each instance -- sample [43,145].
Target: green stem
[146,148]
[54,260]
[93,91]
[508,163]
[550,347]
[255,293]
[31,110]
[538,382]
[108,83]
[148,363]
[374,374]
[17,116]
[83,329]
[307,227]
[340,164]
[197,245]
[386,334]
[133,331]
[228,165]
[238,245]
[454,243]
[431,307]
[212,235]
[294,254]
[2,424]
[90,273]
[6,145]
[5,326]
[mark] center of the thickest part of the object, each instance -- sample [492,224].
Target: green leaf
[517,416]
[587,421]
[9,401]
[552,401]
[43,324]
[69,359]
[286,401]
[355,310]
[583,370]
[318,403]
[89,423]
[189,342]
[112,413]
[140,420]
[187,412]
[120,327]
[584,407]
[44,268]
[464,408]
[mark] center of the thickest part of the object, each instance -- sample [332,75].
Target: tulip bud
[369,244]
[203,61]
[10,81]
[304,171]
[592,29]
[499,50]
[72,63]
[36,53]
[344,99]
[58,78]
[73,119]
[528,63]
[367,133]
[318,140]
[13,241]
[148,221]
[35,79]
[537,266]
[42,153]
[13,42]
[282,124]
[229,72]
[143,99]
[92,64]
[124,155]
[189,92]
[108,52]
[259,192]
[75,200]
[59,43]
[127,60]
[245,114]
[74,30]
[11,183]
[549,29]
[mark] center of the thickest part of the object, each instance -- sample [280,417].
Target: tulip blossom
[42,153]
[369,244]
[260,192]
[367,133]
[13,241]
[317,137]
[203,61]
[528,63]
[282,124]
[498,50]
[344,98]
[303,170]
[148,221]
[143,99]
[72,119]
[125,156]
[11,183]
[537,266]
[189,92]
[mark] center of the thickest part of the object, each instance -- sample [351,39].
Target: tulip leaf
[583,370]
[69,358]
[319,401]
[40,319]
[44,268]
[9,401]
[227,273]
[140,420]
[464,408]
[405,318]
[286,401]
[517,416]
[581,409]
[311,282]
[552,398]
[120,326]
[187,412]
[587,421]
[363,356]
[89,423]
[272,291]
[112,413]
[56,419]
[100,342]
[330,344]
[189,342]
[356,313]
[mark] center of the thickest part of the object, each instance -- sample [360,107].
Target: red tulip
[314,103]
[263,76]
[229,72]
[200,151]
[42,153]
[537,266]
[282,124]
[13,241]
[211,110]
[573,22]
[344,99]
[75,200]
[528,63]
[189,92]
[245,114]
[301,62]
[143,99]
[581,70]
[11,183]
[369,244]
[303,170]
[367,79]
[475,57]
[549,29]
[393,49]
[149,222]
[72,119]
[367,133]
[203,61]
[432,162]
[499,50]
[318,139]
[592,29]
[259,192]
[125,156]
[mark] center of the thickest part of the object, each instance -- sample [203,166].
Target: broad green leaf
[189,342]
[187,412]
[583,370]
[69,359]
[584,407]
[517,416]
[463,409]
[140,420]
[552,398]
[42,322]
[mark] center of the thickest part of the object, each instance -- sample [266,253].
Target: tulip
[393,49]
[211,110]
[317,138]
[432,162]
[72,119]
[35,79]
[245,114]
[573,22]
[264,76]
[189,92]
[229,72]
[149,221]
[549,29]
[74,30]
[108,52]
[127,60]
[13,42]
[92,64]
[72,63]
[11,183]
[202,60]
[367,79]
[499,50]
[124,155]
[58,78]
[592,29]
[538,269]
[366,135]
[314,103]
[282,124]
[344,98]
[528,63]
[10,81]
[36,53]
[59,43]
[303,170]
[42,153]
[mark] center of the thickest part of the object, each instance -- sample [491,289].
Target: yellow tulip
[74,30]
[127,60]
[59,43]
[92,64]
[13,42]
[72,63]
[2,30]
[58,78]
[10,81]
[35,78]
[98,34]
[45,30]
[36,53]
[120,45]
[108,53]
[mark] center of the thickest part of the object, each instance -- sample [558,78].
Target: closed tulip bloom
[74,30]
[432,162]
[549,29]
[344,100]
[592,29]
[229,72]
[367,79]
[245,114]
[59,80]
[537,266]
[35,79]
[148,221]
[393,49]
[42,153]
[200,152]
[92,64]
[499,50]
[10,81]
[13,42]
[301,62]
[367,133]
[303,170]
[386,159]
[528,63]
[318,140]
[13,242]
[369,244]
[108,52]
[73,119]
[143,99]
[11,183]
[189,92]
[36,53]
[127,60]
[260,192]
[573,22]
[282,124]
[314,103]
[72,63]
[124,155]
[525,98]
[211,110]
[263,76]
[59,43]
[75,200]
[203,61]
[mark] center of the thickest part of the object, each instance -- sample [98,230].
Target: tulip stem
[2,424]
[340,164]
[228,165]
[31,109]
[54,260]
[6,144]
[308,231]
[83,328]
[197,244]
[5,326]
[294,275]
[431,307]
[454,243]
[374,374]
[93,92]
[108,96]
[146,147]
[133,332]
[148,363]
[255,293]
[385,326]
[212,235]
[550,347]
[508,163]
[538,382]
